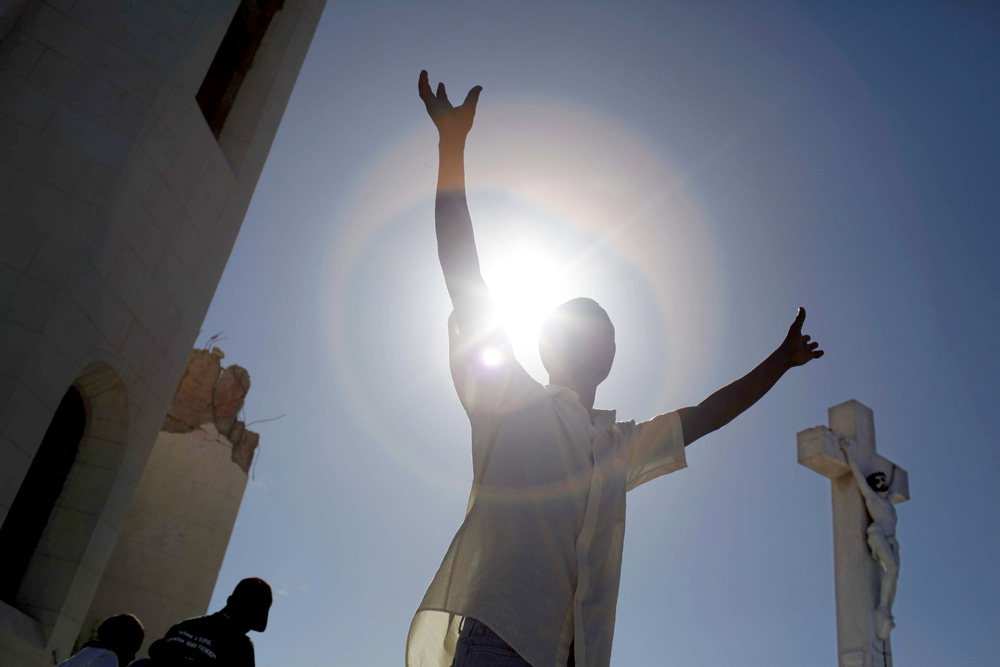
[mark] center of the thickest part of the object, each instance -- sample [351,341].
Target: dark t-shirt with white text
[205,641]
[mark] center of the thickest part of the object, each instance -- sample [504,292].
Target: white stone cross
[857,575]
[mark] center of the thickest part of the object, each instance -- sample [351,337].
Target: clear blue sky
[701,169]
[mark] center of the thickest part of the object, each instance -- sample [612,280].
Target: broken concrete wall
[209,394]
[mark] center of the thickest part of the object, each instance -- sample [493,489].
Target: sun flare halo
[526,285]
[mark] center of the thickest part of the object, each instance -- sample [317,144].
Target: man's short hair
[122,631]
[574,313]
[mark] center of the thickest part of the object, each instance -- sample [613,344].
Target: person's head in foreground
[123,635]
[878,482]
[577,344]
[249,604]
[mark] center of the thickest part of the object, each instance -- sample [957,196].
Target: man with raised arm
[531,577]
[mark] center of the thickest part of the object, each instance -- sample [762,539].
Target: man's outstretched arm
[732,400]
[456,242]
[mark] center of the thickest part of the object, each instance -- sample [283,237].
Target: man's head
[123,634]
[577,341]
[878,482]
[250,603]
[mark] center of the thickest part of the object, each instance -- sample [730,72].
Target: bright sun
[526,285]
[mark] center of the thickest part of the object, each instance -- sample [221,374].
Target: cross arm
[819,450]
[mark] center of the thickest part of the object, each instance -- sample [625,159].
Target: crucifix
[865,551]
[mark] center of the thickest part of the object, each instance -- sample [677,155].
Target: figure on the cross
[877,491]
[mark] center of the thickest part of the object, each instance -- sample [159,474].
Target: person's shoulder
[194,621]
[91,656]
[196,625]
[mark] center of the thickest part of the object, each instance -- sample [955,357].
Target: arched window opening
[40,489]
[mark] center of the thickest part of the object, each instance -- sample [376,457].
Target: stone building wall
[118,210]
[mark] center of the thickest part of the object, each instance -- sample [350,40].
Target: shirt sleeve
[657,448]
[483,369]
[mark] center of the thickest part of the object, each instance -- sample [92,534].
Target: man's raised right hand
[452,122]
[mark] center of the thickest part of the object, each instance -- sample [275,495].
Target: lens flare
[491,356]
[526,284]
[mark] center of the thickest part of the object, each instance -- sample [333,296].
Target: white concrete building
[132,135]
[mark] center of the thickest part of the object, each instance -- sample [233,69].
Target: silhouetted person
[118,640]
[220,639]
[531,577]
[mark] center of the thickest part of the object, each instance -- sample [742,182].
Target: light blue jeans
[478,646]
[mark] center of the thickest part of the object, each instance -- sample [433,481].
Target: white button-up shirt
[538,557]
[92,657]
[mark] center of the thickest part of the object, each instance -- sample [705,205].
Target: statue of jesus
[877,492]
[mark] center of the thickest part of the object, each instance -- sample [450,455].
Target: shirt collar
[600,418]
